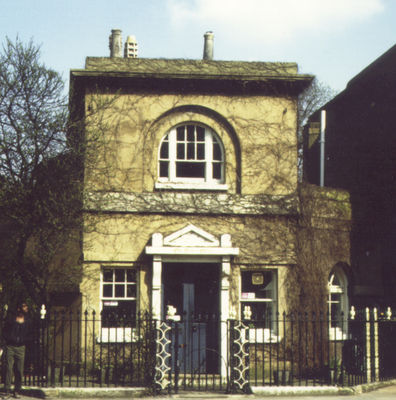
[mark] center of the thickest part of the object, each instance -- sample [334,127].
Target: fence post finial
[352,313]
[43,312]
[247,312]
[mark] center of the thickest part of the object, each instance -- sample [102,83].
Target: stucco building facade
[191,198]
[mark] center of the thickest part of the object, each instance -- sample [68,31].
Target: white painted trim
[168,240]
[262,335]
[192,186]
[118,335]
[210,138]
[156,289]
[163,251]
[191,259]
[193,251]
[337,334]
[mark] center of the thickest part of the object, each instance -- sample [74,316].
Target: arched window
[338,304]
[191,154]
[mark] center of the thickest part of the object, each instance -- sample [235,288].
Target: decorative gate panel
[163,356]
[239,356]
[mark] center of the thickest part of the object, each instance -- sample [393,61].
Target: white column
[376,345]
[156,287]
[224,310]
[368,347]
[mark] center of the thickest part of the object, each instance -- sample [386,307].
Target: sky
[332,39]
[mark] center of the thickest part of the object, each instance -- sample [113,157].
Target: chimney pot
[208,46]
[131,47]
[115,43]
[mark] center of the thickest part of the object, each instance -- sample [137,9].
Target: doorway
[193,289]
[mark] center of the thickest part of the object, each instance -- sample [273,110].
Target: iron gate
[191,354]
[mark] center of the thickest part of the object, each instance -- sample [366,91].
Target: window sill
[117,335]
[191,186]
[262,335]
[336,334]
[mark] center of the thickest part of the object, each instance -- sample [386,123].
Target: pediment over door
[191,240]
[191,236]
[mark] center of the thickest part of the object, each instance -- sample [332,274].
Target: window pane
[200,151]
[180,151]
[216,151]
[180,133]
[200,134]
[131,290]
[190,151]
[263,314]
[164,153]
[108,275]
[216,171]
[190,133]
[336,281]
[131,275]
[119,275]
[335,298]
[258,284]
[335,314]
[122,314]
[190,170]
[119,290]
[260,311]
[107,291]
[164,171]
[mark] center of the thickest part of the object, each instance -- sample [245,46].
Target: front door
[193,289]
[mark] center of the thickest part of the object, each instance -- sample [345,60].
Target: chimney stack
[208,46]
[131,47]
[115,43]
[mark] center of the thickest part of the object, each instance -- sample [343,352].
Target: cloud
[271,21]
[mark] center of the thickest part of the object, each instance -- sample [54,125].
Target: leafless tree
[37,178]
[314,97]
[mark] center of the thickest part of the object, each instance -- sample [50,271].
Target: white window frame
[261,335]
[338,332]
[172,181]
[117,334]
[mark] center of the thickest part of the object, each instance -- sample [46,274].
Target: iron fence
[200,352]
[306,350]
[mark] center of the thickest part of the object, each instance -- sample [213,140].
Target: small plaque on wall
[257,278]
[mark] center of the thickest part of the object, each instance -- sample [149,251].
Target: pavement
[380,391]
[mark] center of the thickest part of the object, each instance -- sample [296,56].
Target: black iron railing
[204,353]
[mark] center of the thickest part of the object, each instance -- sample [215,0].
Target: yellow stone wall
[259,138]
[120,241]
[260,144]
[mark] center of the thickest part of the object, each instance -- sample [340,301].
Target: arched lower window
[191,154]
[338,304]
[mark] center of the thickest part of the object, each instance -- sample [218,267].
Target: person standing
[15,335]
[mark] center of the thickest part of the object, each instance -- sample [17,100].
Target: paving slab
[379,390]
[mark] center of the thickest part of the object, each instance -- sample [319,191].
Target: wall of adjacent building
[360,149]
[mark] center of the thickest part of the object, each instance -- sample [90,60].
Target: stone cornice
[191,203]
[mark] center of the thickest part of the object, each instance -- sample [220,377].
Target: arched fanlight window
[191,153]
[338,304]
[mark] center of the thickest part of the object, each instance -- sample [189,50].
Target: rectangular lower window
[259,303]
[118,303]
